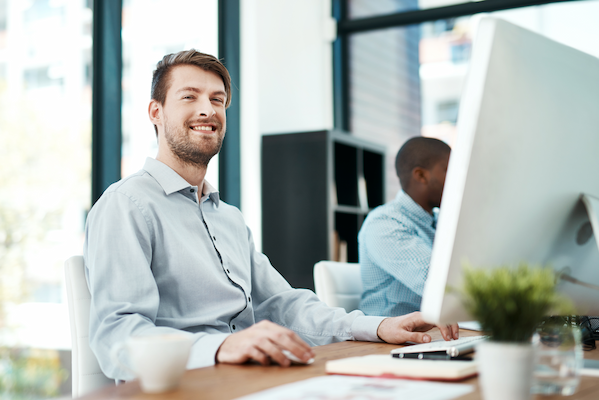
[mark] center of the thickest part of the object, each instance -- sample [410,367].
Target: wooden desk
[222,381]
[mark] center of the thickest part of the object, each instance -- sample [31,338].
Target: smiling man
[165,255]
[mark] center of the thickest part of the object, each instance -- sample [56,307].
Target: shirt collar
[209,190]
[172,182]
[413,208]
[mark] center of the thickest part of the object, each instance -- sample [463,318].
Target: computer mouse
[294,359]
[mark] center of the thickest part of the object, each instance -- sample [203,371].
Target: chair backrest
[86,373]
[338,284]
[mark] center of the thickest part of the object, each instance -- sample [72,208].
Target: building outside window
[407,81]
[45,147]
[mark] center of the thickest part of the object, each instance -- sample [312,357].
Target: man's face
[194,114]
[437,181]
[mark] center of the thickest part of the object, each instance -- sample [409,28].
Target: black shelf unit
[316,184]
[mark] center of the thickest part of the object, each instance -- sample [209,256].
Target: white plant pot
[505,370]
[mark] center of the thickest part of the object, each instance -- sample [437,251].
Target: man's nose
[205,109]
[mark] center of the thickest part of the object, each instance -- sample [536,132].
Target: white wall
[286,82]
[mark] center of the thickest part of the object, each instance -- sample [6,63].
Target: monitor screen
[527,150]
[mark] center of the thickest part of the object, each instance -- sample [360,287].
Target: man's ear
[155,112]
[420,175]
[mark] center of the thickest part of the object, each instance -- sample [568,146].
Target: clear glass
[558,357]
[45,181]
[45,148]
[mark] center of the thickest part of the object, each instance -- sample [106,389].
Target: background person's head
[207,62]
[421,165]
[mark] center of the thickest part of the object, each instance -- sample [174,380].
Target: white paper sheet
[337,387]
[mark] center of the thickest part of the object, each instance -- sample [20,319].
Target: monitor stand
[583,223]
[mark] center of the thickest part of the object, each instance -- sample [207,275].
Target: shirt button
[191,190]
[228,271]
[214,238]
[249,298]
[233,327]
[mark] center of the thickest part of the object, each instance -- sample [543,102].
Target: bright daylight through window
[407,81]
[45,147]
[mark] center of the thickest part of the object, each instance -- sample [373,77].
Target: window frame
[347,27]
[107,66]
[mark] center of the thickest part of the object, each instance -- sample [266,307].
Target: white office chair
[338,284]
[86,373]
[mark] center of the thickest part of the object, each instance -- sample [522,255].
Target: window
[407,81]
[447,111]
[152,29]
[369,8]
[45,147]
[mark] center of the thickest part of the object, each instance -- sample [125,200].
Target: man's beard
[189,151]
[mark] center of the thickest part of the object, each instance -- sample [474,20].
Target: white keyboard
[439,349]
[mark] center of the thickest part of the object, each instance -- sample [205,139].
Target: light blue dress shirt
[395,246]
[158,260]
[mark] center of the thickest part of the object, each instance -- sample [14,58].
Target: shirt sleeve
[125,298]
[398,250]
[300,309]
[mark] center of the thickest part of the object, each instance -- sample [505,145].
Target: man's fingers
[446,332]
[296,345]
[455,329]
[418,337]
[449,332]
[263,342]
[411,327]
[270,349]
[287,339]
[257,355]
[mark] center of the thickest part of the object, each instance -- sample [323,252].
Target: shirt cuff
[364,328]
[203,351]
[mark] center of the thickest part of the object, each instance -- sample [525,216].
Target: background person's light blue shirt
[158,261]
[395,246]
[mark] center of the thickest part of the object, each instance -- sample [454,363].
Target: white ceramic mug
[158,361]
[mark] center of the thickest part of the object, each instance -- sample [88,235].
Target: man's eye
[218,100]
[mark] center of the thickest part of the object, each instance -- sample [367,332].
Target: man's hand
[410,328]
[262,342]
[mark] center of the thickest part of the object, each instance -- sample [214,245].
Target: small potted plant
[509,304]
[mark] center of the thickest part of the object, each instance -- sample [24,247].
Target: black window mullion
[346,26]
[229,54]
[107,61]
[341,79]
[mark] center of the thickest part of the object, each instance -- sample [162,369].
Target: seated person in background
[165,254]
[396,239]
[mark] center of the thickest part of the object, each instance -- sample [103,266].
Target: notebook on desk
[388,367]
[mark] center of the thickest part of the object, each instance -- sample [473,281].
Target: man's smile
[209,128]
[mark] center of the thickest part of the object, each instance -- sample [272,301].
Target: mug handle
[116,351]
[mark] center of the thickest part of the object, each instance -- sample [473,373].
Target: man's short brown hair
[160,78]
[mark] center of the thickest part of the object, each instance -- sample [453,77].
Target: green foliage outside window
[44,177]
[30,374]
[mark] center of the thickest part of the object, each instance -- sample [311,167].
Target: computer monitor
[527,150]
